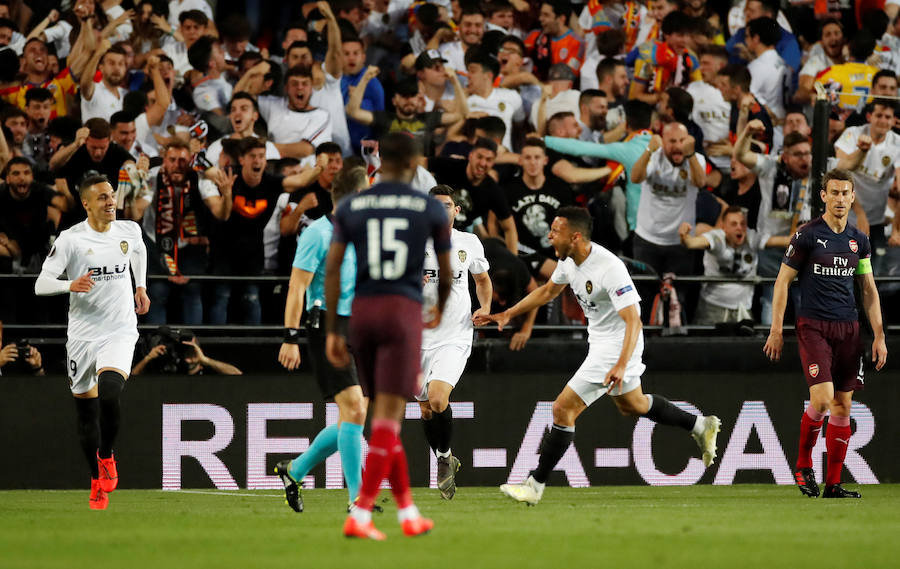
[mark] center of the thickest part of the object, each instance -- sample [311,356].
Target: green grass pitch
[755,526]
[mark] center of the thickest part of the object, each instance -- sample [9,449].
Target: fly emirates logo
[841,268]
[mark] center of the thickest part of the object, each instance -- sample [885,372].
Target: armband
[864,267]
[291,335]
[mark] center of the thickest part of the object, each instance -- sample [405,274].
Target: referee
[340,385]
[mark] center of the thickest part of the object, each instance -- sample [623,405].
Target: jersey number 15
[382,238]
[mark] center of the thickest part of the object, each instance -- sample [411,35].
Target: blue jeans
[192,260]
[252,311]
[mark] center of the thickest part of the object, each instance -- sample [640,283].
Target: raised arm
[157,110]
[742,151]
[691,241]
[87,78]
[639,170]
[354,102]
[258,70]
[851,161]
[334,57]
[221,205]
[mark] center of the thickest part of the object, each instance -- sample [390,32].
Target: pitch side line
[224,493]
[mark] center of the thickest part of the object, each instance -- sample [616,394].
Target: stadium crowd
[684,126]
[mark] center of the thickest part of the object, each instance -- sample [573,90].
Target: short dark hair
[883,73]
[487,61]
[348,181]
[297,71]
[234,27]
[251,143]
[119,117]
[607,67]
[515,40]
[560,7]
[97,127]
[837,174]
[638,114]
[91,179]
[492,126]
[862,45]
[243,95]
[677,22]
[328,148]
[286,162]
[196,16]
[200,53]
[118,49]
[397,148]
[444,190]
[738,76]
[39,94]
[886,103]
[610,42]
[17,160]
[134,102]
[495,6]
[681,103]
[588,95]
[7,23]
[732,209]
[766,29]
[794,139]
[486,144]
[828,22]
[579,219]
[534,142]
[714,50]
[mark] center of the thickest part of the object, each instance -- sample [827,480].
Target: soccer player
[102,327]
[340,385]
[388,225]
[828,254]
[446,348]
[611,304]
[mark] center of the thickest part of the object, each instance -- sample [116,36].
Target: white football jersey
[603,287]
[874,176]
[287,126]
[712,114]
[503,103]
[108,309]
[466,256]
[668,198]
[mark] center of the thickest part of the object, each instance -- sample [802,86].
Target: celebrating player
[341,385]
[102,327]
[611,304]
[388,225]
[827,253]
[446,348]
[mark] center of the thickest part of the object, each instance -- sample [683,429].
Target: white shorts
[87,356]
[587,381]
[444,363]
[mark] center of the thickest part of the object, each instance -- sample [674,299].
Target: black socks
[110,386]
[439,429]
[88,411]
[662,411]
[553,447]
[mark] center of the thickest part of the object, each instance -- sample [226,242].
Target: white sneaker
[529,491]
[706,440]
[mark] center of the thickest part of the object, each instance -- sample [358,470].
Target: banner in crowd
[228,432]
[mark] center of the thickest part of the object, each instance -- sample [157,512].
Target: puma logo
[846,442]
[824,243]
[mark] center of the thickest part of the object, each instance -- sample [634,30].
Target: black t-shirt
[79,164]
[238,244]
[509,274]
[420,126]
[534,210]
[456,149]
[474,201]
[26,220]
[749,200]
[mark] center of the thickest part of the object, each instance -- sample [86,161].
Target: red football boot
[353,528]
[98,500]
[109,476]
[417,526]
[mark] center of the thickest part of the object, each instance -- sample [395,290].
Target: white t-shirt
[767,75]
[176,7]
[108,309]
[566,101]
[603,287]
[817,61]
[455,54]
[712,114]
[466,256]
[668,198]
[721,260]
[873,178]
[736,18]
[503,103]
[215,151]
[287,126]
[212,94]
[330,100]
[144,132]
[103,103]
[772,223]
[148,223]
[177,52]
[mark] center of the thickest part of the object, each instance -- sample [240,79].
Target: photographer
[175,351]
[19,357]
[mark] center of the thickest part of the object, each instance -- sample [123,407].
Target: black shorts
[830,351]
[331,380]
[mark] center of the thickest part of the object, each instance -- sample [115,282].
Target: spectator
[103,98]
[187,27]
[786,45]
[295,126]
[741,189]
[561,97]
[534,199]
[731,251]
[485,98]
[354,68]
[212,91]
[123,132]
[745,107]
[478,193]
[555,42]
[854,76]
[676,104]
[513,73]
[184,357]
[471,30]
[243,114]
[574,170]
[37,73]
[15,121]
[661,64]
[872,154]
[31,212]
[767,70]
[511,282]
[827,52]
[884,84]
[39,108]
[612,79]
[19,357]
[237,248]
[711,112]
[670,173]
[406,117]
[438,91]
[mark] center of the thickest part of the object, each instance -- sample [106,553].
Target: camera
[24,349]
[174,360]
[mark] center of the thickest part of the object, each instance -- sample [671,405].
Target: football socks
[324,445]
[110,385]
[350,448]
[554,446]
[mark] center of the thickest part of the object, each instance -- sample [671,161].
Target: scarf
[177,223]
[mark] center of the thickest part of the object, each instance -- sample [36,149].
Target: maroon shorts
[386,335]
[831,351]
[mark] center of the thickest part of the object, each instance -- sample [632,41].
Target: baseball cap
[408,87]
[428,58]
[560,72]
